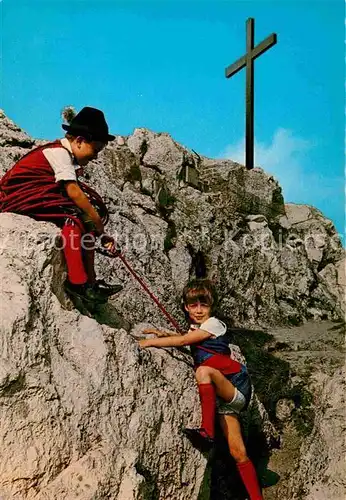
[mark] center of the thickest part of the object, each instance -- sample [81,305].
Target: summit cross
[248,61]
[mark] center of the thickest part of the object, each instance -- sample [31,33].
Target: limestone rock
[87,414]
[14,143]
[84,411]
[274,263]
[322,473]
[311,461]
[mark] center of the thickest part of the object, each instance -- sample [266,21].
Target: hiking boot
[199,439]
[86,292]
[106,289]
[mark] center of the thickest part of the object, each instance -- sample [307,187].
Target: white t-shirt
[62,161]
[212,325]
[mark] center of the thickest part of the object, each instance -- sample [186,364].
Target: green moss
[271,379]
[170,236]
[145,191]
[303,415]
[148,489]
[304,421]
[204,491]
[165,199]
[134,173]
[269,375]
[293,321]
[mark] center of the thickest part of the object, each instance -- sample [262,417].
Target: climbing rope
[170,318]
[143,285]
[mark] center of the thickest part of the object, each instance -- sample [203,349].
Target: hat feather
[68,113]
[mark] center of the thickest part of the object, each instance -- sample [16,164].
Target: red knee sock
[249,477]
[88,255]
[72,236]
[208,401]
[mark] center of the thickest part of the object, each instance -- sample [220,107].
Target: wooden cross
[248,60]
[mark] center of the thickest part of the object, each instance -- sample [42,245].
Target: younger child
[44,185]
[222,382]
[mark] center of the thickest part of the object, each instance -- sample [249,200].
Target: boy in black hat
[44,185]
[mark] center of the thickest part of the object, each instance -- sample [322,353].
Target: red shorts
[223,363]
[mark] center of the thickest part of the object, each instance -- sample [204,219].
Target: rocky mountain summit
[85,413]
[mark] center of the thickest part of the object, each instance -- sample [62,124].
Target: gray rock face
[274,263]
[14,143]
[311,461]
[322,471]
[84,412]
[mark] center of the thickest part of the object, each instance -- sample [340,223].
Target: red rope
[29,188]
[40,198]
[145,287]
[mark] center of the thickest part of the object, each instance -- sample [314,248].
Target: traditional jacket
[30,188]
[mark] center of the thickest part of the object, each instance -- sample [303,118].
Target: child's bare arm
[191,337]
[81,200]
[160,333]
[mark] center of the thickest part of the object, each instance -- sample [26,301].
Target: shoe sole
[84,299]
[109,293]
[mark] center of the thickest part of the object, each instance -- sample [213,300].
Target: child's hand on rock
[153,331]
[144,343]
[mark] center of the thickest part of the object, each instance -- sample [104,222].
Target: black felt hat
[91,124]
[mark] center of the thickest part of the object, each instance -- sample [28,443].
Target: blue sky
[160,65]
